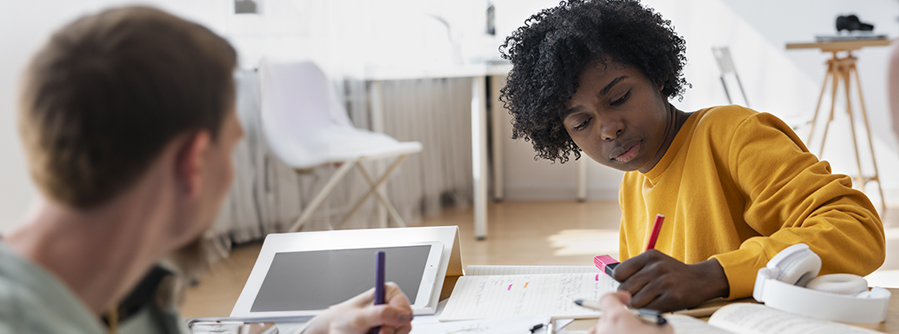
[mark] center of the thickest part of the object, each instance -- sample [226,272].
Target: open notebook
[750,318]
[510,291]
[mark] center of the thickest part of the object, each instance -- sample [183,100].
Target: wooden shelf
[840,45]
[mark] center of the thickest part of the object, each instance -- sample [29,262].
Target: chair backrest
[725,62]
[297,107]
[726,66]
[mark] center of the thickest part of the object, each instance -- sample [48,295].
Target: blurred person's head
[126,95]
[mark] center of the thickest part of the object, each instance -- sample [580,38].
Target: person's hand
[359,314]
[660,282]
[618,320]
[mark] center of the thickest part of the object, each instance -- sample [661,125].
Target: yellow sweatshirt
[740,186]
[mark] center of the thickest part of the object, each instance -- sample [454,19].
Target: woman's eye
[582,125]
[621,99]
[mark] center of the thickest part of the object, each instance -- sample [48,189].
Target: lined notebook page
[522,270]
[757,318]
[684,324]
[481,297]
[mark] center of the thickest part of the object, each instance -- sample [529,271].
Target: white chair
[307,127]
[726,66]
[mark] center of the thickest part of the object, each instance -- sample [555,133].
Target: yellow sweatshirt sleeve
[792,197]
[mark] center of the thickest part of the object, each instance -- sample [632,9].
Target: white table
[478,74]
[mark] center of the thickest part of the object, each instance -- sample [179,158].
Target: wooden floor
[539,233]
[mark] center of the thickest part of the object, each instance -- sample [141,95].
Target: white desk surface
[437,72]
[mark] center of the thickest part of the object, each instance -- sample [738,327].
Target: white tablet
[292,279]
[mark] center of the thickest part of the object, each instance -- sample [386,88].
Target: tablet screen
[338,275]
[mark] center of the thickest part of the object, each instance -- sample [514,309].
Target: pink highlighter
[605,263]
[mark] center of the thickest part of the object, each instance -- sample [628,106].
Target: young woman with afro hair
[735,186]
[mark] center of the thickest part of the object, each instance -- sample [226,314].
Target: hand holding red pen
[660,282]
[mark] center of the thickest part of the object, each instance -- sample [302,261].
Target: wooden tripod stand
[843,70]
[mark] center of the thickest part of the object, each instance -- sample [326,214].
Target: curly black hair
[555,45]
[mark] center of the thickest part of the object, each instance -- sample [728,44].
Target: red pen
[656,227]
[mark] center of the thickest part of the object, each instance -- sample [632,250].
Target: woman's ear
[190,161]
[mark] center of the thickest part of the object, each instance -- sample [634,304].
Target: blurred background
[403,45]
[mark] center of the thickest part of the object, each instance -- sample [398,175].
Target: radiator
[267,196]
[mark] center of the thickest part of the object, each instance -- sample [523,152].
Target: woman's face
[619,117]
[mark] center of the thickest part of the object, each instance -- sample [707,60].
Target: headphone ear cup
[804,270]
[844,284]
[799,268]
[776,286]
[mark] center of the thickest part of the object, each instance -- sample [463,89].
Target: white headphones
[788,283]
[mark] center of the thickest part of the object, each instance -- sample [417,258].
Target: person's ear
[190,161]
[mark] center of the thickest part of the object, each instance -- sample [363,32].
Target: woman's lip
[629,154]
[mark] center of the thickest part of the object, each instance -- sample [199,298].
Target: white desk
[478,74]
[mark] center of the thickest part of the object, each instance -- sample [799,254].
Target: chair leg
[382,211]
[317,201]
[374,190]
[384,201]
[740,84]
[376,92]
[726,93]
[357,205]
